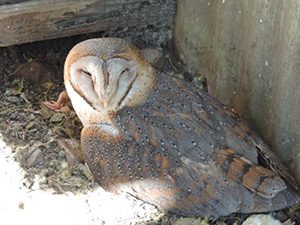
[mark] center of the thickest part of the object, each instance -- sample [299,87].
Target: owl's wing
[235,131]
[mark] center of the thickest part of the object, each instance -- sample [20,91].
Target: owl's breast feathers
[184,151]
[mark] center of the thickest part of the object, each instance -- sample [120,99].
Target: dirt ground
[32,73]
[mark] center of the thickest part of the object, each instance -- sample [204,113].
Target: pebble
[57,117]
[33,71]
[191,221]
[261,220]
[35,158]
[21,205]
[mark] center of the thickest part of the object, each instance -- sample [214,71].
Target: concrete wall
[249,52]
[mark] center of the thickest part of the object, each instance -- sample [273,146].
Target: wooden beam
[46,19]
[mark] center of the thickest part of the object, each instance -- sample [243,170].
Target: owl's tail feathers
[258,179]
[281,200]
[267,157]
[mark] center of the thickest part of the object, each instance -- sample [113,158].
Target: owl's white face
[104,84]
[97,87]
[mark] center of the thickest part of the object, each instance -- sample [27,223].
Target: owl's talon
[61,105]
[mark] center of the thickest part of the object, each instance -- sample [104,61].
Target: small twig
[14,72]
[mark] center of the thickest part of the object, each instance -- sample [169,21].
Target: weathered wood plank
[7,2]
[46,19]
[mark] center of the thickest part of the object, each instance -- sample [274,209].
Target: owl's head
[104,75]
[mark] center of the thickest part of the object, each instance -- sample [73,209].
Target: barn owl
[165,142]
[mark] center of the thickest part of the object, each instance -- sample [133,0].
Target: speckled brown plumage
[182,150]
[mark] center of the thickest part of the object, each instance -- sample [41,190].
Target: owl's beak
[105,100]
[105,103]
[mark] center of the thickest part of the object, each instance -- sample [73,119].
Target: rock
[261,220]
[21,205]
[33,71]
[73,151]
[35,158]
[191,221]
[57,117]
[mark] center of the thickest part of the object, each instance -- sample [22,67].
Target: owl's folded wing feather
[237,134]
